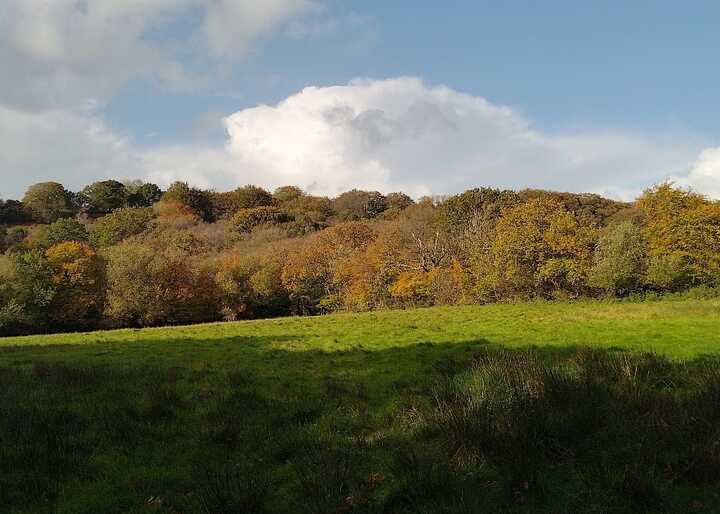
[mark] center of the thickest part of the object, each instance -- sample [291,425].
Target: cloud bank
[400,134]
[394,134]
[66,53]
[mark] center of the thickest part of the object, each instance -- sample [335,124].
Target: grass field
[398,411]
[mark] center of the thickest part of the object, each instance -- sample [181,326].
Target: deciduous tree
[247,219]
[104,197]
[119,225]
[66,229]
[143,194]
[310,272]
[619,262]
[539,249]
[12,212]
[147,287]
[682,229]
[198,201]
[247,197]
[286,194]
[48,202]
[77,280]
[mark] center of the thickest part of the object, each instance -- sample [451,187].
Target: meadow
[553,407]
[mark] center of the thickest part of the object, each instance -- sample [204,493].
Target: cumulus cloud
[64,53]
[386,135]
[705,174]
[401,134]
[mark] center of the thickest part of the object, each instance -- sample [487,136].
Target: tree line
[129,254]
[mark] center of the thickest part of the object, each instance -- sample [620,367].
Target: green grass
[343,413]
[677,328]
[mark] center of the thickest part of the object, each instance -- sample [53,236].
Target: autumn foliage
[130,255]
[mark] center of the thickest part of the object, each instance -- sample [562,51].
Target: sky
[424,97]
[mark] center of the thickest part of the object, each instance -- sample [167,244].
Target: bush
[250,286]
[119,225]
[668,272]
[619,259]
[356,205]
[13,318]
[248,197]
[247,219]
[67,229]
[147,287]
[14,237]
[199,202]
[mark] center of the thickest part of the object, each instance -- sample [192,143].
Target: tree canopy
[129,255]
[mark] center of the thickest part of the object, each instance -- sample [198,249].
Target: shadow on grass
[240,425]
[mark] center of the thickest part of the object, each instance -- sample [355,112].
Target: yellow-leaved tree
[538,249]
[77,279]
[682,230]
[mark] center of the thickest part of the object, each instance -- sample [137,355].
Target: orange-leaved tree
[310,272]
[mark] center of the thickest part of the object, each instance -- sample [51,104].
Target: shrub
[355,205]
[668,272]
[247,197]
[199,202]
[67,229]
[251,286]
[619,259]
[119,225]
[147,287]
[247,219]
[286,194]
[13,318]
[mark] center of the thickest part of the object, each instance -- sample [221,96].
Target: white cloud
[64,53]
[705,174]
[396,134]
[401,134]
[57,145]
[230,24]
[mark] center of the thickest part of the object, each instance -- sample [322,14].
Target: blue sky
[635,64]
[637,81]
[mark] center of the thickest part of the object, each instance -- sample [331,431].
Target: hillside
[129,255]
[369,413]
